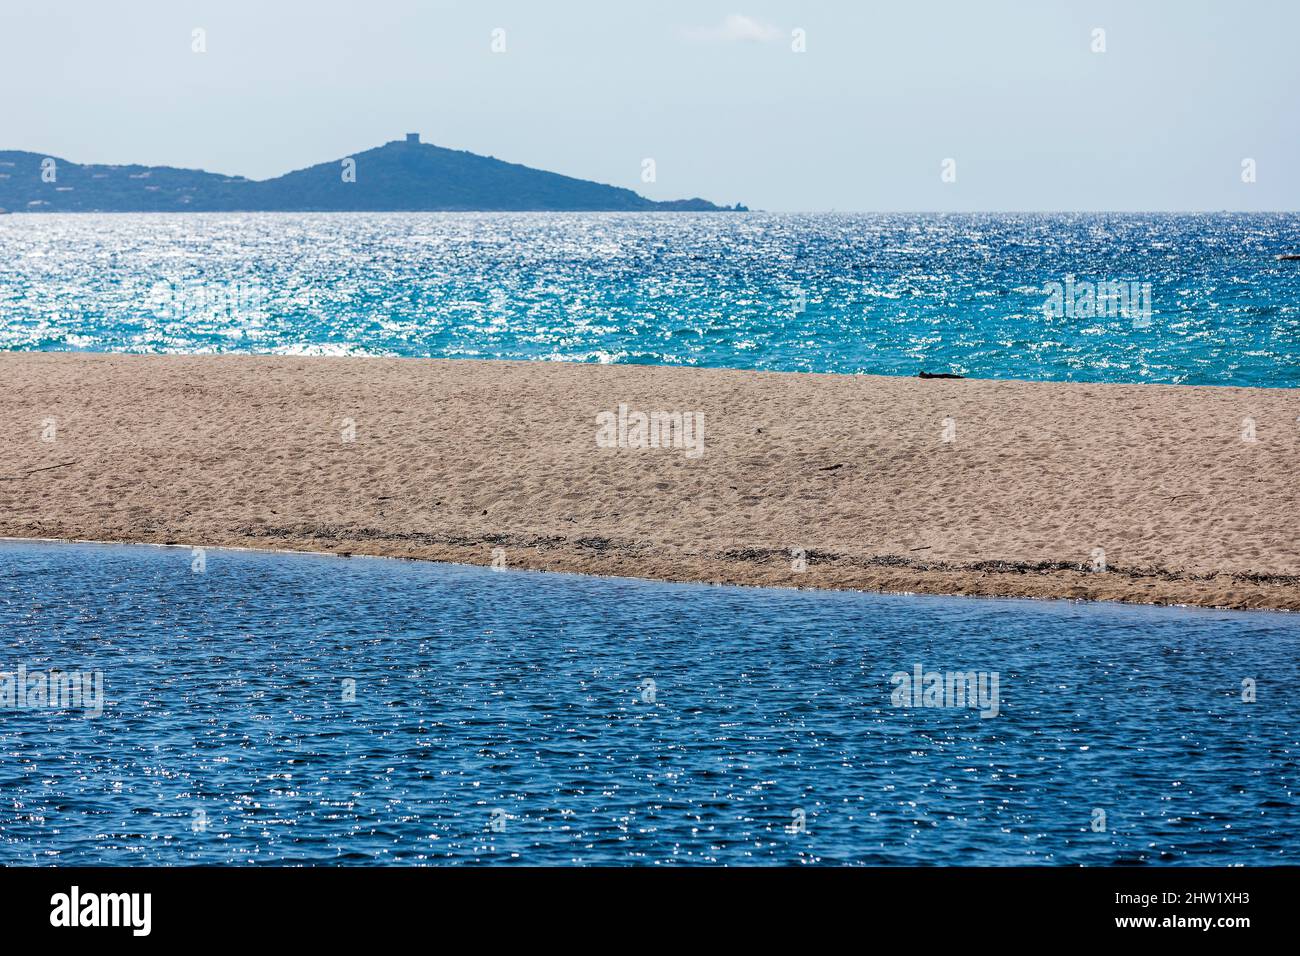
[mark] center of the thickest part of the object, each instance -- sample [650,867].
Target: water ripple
[523,698]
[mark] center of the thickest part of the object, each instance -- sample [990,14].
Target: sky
[1013,92]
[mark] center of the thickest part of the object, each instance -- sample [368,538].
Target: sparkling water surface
[524,694]
[887,294]
[523,698]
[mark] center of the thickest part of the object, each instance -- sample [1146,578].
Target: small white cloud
[736,28]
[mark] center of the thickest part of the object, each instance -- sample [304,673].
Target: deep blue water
[887,294]
[481,691]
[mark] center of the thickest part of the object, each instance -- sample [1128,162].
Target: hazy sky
[713,92]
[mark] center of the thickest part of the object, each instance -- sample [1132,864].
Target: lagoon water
[227,734]
[886,294]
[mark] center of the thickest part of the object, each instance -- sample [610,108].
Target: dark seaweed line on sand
[759,555]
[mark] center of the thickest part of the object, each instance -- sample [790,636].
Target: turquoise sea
[886,294]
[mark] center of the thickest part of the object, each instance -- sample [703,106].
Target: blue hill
[404,175]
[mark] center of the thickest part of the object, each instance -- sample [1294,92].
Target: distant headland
[405,175]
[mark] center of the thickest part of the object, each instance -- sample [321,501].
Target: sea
[1175,299]
[260,708]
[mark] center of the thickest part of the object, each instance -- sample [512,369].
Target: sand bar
[824,481]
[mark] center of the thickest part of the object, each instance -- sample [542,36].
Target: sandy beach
[1138,493]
